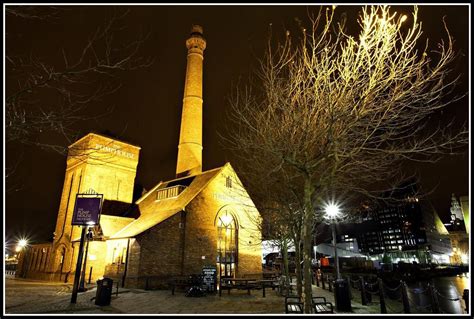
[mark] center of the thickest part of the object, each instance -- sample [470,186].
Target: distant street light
[332,211]
[22,243]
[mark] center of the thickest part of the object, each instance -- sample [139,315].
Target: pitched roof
[153,211]
[112,224]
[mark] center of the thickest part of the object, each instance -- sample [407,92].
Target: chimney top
[196,30]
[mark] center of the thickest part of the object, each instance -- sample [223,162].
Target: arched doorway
[226,244]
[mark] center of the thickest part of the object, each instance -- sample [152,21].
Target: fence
[395,299]
[10,273]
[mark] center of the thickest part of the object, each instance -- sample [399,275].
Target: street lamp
[332,211]
[22,243]
[341,286]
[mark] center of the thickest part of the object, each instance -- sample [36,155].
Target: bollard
[322,281]
[363,295]
[90,275]
[116,290]
[465,297]
[383,307]
[349,286]
[329,284]
[434,298]
[406,303]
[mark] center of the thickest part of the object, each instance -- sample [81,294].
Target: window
[169,192]
[124,254]
[226,244]
[228,182]
[113,255]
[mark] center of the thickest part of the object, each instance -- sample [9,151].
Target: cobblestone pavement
[28,296]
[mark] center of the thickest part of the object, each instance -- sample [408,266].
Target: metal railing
[401,298]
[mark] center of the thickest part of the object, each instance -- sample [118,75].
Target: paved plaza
[28,296]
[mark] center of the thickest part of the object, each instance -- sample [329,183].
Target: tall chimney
[190,136]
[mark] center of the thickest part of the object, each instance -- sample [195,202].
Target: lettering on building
[114,150]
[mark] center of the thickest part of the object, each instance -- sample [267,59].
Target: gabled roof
[112,224]
[153,212]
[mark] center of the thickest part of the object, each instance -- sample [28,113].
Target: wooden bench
[228,284]
[265,279]
[183,282]
[320,305]
[293,304]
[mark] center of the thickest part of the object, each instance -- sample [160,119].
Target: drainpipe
[182,226]
[126,263]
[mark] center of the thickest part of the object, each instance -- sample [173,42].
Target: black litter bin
[104,292]
[465,297]
[342,295]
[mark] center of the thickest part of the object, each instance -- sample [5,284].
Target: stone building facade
[176,228]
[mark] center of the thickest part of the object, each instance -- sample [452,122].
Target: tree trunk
[299,278]
[284,252]
[307,236]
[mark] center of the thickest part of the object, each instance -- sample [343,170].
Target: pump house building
[176,228]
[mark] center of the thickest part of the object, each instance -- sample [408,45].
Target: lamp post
[341,286]
[83,276]
[332,211]
[22,243]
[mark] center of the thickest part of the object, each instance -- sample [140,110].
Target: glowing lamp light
[332,210]
[22,243]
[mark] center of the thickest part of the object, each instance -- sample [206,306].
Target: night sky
[147,108]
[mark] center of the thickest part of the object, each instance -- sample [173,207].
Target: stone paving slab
[46,297]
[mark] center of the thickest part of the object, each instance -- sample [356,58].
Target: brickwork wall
[156,253]
[201,227]
[94,162]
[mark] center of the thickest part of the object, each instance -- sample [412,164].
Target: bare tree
[49,98]
[338,115]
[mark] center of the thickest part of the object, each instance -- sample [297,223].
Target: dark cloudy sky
[147,108]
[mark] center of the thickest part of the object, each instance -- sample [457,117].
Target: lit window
[169,192]
[124,255]
[113,255]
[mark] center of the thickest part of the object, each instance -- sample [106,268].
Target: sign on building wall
[209,278]
[87,209]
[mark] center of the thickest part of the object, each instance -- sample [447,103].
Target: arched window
[226,244]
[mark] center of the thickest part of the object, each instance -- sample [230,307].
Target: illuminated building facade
[458,229]
[399,228]
[176,228]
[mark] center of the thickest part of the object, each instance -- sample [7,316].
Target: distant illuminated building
[465,211]
[458,229]
[177,227]
[397,228]
[437,236]
[456,212]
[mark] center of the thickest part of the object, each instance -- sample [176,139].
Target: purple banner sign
[87,211]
